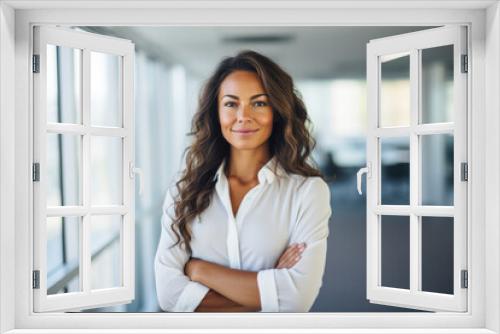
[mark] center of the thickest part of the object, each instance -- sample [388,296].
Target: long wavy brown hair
[290,141]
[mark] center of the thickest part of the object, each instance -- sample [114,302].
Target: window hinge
[36,171]
[465,64]
[465,279]
[464,171]
[36,279]
[36,63]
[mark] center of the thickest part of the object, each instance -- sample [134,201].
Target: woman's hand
[290,256]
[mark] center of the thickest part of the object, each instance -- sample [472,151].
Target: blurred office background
[328,65]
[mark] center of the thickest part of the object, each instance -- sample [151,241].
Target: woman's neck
[245,164]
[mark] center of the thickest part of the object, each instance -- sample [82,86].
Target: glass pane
[64,84]
[64,171]
[437,169]
[395,248]
[63,254]
[106,251]
[54,243]
[105,89]
[437,84]
[106,156]
[71,286]
[395,170]
[395,91]
[437,254]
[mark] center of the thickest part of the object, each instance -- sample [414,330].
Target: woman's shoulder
[171,191]
[302,182]
[312,194]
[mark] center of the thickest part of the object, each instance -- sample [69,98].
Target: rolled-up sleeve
[295,289]
[175,291]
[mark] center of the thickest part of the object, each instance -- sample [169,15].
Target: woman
[245,227]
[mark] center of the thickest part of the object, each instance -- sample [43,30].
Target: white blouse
[282,209]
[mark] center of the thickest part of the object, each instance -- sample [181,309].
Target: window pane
[106,248]
[437,254]
[63,254]
[395,170]
[106,89]
[437,84]
[64,77]
[395,92]
[395,248]
[106,156]
[54,243]
[71,286]
[437,169]
[64,177]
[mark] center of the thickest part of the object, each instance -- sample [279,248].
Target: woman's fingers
[290,262]
[289,253]
[291,256]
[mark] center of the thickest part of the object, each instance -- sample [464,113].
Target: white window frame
[378,51]
[16,20]
[87,42]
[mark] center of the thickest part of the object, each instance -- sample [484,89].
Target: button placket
[246,204]
[234,222]
[232,242]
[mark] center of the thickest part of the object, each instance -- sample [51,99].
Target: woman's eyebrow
[237,98]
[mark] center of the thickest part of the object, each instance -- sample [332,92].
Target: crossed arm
[232,290]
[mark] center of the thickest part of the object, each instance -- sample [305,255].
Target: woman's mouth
[245,132]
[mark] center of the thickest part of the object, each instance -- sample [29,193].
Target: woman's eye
[258,104]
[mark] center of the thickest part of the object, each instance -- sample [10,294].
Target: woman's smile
[245,133]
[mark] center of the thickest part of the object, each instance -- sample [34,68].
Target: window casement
[464,310]
[427,137]
[83,167]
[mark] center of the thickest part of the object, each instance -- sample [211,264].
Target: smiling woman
[245,124]
[250,244]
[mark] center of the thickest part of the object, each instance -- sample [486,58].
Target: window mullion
[85,252]
[414,172]
[128,220]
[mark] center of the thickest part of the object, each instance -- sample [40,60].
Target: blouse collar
[266,173]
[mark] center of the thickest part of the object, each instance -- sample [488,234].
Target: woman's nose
[244,111]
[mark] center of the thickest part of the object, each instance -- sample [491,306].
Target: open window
[417,107]
[16,202]
[83,170]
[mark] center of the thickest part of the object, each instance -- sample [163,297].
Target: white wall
[6,165]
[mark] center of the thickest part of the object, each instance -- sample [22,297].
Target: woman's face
[245,115]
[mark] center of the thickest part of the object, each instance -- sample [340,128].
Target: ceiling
[306,52]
